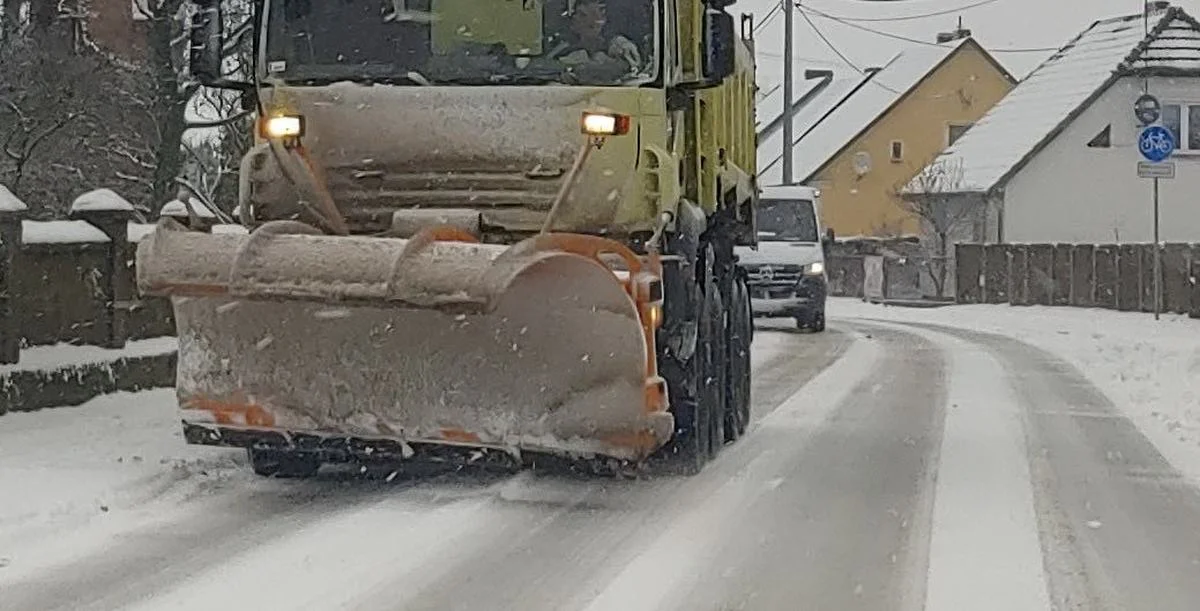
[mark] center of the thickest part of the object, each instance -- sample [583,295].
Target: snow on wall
[1025,117]
[100,200]
[178,208]
[1072,193]
[9,202]
[61,232]
[137,231]
[45,358]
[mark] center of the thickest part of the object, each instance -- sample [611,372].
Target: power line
[796,58]
[948,11]
[770,15]
[838,52]
[804,9]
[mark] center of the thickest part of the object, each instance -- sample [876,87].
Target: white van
[787,270]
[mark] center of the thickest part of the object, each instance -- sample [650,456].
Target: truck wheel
[741,323]
[283,464]
[696,394]
[714,347]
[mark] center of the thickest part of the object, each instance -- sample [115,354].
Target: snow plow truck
[475,228]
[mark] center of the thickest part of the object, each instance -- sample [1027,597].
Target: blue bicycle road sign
[1156,143]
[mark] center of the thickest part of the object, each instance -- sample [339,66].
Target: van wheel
[814,321]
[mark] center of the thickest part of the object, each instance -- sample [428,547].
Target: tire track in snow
[581,532]
[368,542]
[844,521]
[985,549]
[113,563]
[349,554]
[658,574]
[1120,525]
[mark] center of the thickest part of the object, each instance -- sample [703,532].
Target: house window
[1184,122]
[897,151]
[954,131]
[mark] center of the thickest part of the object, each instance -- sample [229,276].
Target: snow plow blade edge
[540,346]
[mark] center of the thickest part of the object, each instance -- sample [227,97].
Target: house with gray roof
[1056,159]
[859,139]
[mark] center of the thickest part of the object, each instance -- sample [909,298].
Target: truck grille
[771,276]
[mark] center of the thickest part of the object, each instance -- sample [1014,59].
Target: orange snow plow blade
[544,346]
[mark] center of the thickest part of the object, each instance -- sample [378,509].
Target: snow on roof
[876,94]
[100,200]
[61,232]
[770,147]
[1033,112]
[770,105]
[9,202]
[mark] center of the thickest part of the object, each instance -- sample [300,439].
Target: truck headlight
[604,124]
[815,269]
[284,126]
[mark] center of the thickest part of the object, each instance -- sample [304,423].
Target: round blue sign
[1156,143]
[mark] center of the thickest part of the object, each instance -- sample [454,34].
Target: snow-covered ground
[1150,369]
[69,465]
[899,472]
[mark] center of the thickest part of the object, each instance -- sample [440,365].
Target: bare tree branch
[219,122]
[931,198]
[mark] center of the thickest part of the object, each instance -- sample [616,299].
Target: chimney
[958,34]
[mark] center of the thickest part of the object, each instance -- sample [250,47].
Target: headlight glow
[285,126]
[604,124]
[816,269]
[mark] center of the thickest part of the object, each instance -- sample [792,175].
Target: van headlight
[814,269]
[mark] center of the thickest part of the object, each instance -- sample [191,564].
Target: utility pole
[787,91]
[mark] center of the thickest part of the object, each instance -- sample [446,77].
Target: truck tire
[741,325]
[695,385]
[283,463]
[715,382]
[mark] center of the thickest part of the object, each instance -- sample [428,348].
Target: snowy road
[892,465]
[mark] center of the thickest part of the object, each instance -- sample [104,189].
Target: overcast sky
[1021,33]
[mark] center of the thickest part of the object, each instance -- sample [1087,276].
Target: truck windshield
[462,42]
[787,220]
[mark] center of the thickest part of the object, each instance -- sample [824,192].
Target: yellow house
[862,147]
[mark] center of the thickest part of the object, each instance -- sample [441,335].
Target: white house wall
[1072,193]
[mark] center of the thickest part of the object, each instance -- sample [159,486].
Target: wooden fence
[1113,276]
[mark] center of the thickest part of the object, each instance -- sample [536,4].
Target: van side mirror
[204,43]
[720,46]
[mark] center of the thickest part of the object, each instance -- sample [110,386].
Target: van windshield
[787,220]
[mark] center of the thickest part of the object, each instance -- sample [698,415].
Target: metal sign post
[1156,144]
[788,46]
